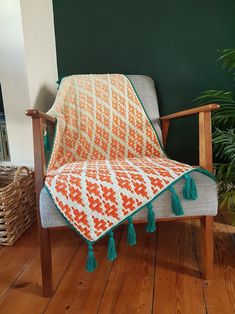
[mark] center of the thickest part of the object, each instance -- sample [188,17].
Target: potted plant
[223,123]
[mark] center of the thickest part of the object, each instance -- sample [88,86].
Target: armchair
[204,208]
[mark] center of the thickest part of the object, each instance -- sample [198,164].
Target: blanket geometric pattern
[100,117]
[96,195]
[107,162]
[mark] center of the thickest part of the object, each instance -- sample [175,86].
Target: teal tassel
[175,203]
[91,263]
[112,254]
[131,236]
[151,226]
[47,145]
[190,188]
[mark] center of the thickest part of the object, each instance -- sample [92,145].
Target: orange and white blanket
[107,162]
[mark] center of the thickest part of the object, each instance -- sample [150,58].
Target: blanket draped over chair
[107,162]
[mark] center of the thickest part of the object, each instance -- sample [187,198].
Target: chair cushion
[145,88]
[206,204]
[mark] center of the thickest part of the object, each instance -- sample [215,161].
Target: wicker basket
[17,202]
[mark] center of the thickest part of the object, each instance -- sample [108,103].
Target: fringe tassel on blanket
[151,226]
[131,235]
[112,253]
[175,203]
[91,263]
[190,188]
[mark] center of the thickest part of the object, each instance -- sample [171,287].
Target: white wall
[13,78]
[40,51]
[28,69]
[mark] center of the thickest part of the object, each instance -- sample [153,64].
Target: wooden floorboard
[230,228]
[15,258]
[220,290]
[80,289]
[178,286]
[161,274]
[131,281]
[25,295]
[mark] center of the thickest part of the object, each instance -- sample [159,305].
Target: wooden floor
[161,274]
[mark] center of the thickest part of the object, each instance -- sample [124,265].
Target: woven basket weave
[17,202]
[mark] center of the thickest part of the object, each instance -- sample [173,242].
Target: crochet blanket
[107,162]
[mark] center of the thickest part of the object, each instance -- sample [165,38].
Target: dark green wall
[175,42]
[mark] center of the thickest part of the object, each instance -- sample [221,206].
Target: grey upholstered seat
[206,204]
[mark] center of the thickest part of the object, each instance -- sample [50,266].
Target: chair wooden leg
[46,265]
[207,244]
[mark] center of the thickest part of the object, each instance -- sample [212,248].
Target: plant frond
[225,115]
[224,144]
[227,59]
[218,96]
[223,121]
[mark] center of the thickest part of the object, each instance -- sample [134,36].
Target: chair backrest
[145,88]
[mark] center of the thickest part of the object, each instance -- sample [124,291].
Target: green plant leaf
[223,122]
[228,59]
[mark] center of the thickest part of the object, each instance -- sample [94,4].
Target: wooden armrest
[197,110]
[205,133]
[188,112]
[38,122]
[34,113]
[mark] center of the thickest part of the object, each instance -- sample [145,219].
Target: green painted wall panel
[175,42]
